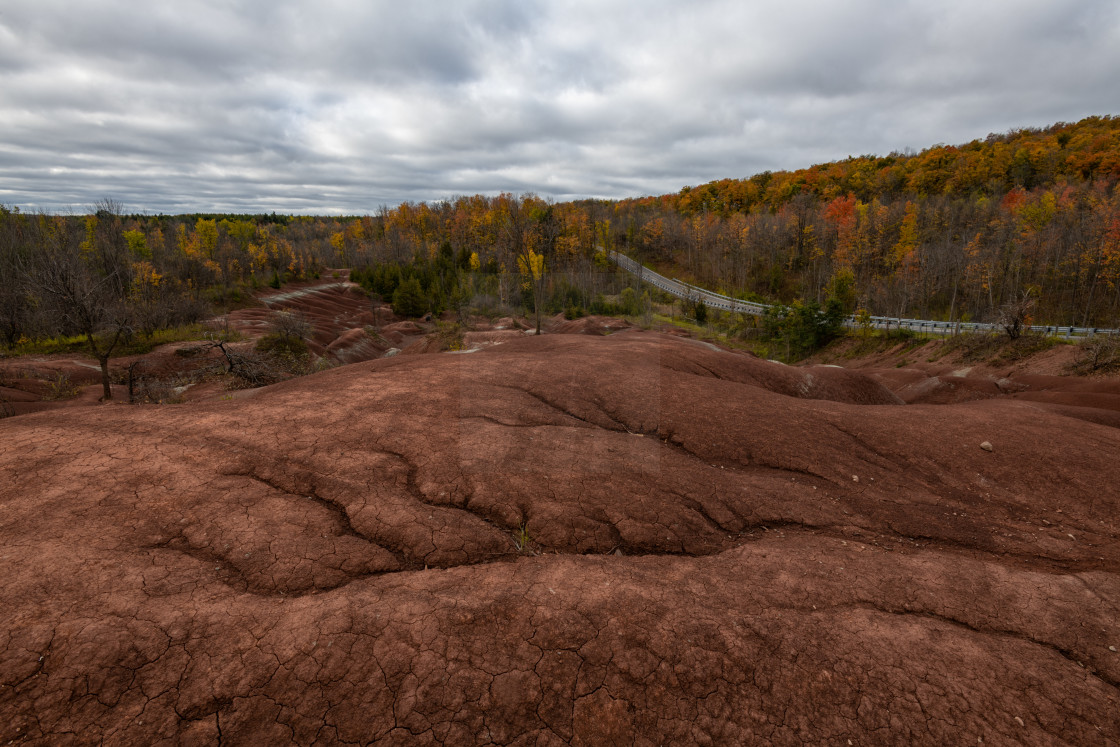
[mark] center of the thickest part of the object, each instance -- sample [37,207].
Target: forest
[952,232]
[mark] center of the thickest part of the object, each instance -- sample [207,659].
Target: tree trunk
[103,358]
[953,302]
[107,389]
[538,293]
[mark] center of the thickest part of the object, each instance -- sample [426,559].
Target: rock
[986,446]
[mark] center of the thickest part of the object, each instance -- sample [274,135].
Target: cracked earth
[561,540]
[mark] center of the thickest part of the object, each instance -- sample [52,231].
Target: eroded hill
[561,539]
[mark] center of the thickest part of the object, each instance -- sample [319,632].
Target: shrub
[1014,316]
[600,306]
[1099,353]
[701,312]
[60,387]
[628,301]
[802,327]
[291,325]
[409,299]
[286,349]
[1024,346]
[450,335]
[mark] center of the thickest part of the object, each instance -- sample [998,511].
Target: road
[727,303]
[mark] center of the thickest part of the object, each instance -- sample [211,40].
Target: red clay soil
[918,377]
[561,539]
[336,309]
[48,383]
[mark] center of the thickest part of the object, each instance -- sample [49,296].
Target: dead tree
[87,301]
[1014,316]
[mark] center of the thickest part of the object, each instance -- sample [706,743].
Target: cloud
[342,106]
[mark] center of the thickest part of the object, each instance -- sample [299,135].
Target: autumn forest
[952,232]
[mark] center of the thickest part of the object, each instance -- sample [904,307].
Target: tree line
[952,232]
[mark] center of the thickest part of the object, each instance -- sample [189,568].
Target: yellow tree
[904,260]
[207,232]
[531,265]
[137,244]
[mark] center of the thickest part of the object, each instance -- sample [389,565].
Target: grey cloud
[342,106]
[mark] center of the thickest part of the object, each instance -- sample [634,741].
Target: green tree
[802,326]
[701,312]
[409,299]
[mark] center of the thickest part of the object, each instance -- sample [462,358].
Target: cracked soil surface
[561,539]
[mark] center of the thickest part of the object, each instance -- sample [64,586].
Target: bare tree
[1014,315]
[87,301]
[291,325]
[16,302]
[249,366]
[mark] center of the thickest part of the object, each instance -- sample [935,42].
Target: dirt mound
[931,385]
[926,374]
[940,390]
[588,325]
[35,384]
[485,338]
[508,322]
[564,538]
[354,345]
[333,307]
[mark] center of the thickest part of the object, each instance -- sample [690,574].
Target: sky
[343,106]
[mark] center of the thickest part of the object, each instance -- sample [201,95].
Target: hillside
[561,539]
[953,232]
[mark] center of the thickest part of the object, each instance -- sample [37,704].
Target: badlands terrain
[572,538]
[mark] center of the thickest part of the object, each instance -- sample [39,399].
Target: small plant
[450,335]
[521,538]
[60,387]
[864,323]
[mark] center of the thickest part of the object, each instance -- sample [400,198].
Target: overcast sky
[340,106]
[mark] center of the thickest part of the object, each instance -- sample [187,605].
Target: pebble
[986,446]
[1112,648]
[855,478]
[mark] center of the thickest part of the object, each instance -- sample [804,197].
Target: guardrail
[727,303]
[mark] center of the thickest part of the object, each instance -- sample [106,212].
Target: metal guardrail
[727,303]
